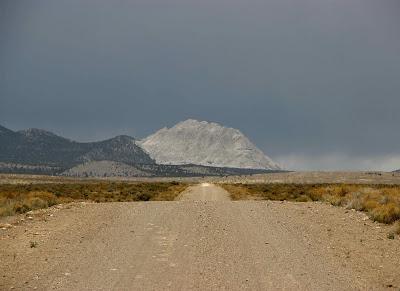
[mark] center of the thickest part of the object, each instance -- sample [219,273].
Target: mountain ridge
[205,143]
[39,151]
[41,147]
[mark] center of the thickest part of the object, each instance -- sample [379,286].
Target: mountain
[204,143]
[191,148]
[121,149]
[40,148]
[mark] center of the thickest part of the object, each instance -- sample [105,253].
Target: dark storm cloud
[315,84]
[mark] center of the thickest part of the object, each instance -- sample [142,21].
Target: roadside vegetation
[17,198]
[380,202]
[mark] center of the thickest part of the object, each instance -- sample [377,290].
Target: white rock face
[205,143]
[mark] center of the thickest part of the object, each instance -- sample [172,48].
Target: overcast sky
[315,84]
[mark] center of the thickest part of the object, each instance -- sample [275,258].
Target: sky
[314,84]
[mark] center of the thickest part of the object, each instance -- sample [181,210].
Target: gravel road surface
[202,242]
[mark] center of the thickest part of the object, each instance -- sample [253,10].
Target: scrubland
[380,202]
[21,198]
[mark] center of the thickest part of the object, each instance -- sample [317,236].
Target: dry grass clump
[16,198]
[12,202]
[380,202]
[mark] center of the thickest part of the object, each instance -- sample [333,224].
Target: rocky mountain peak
[205,143]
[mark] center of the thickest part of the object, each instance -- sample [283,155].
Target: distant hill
[35,147]
[118,149]
[205,143]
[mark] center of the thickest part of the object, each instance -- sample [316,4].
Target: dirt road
[203,242]
[204,192]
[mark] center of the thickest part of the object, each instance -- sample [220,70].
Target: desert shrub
[20,207]
[303,198]
[6,207]
[388,213]
[22,198]
[383,200]
[334,200]
[33,203]
[316,194]
[370,204]
[380,202]
[49,198]
[144,197]
[355,201]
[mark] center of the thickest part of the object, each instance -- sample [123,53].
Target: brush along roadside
[19,198]
[380,202]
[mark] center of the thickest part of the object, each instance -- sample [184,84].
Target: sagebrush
[15,198]
[380,202]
